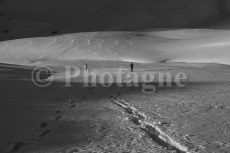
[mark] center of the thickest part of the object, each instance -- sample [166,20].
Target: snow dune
[183,45]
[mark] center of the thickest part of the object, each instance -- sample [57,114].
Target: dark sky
[104,15]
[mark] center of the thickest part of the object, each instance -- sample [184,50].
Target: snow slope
[185,45]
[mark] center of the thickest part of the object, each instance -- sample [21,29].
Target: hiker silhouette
[86,67]
[131,66]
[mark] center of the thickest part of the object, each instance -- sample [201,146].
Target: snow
[184,45]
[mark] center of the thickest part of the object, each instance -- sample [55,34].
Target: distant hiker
[131,66]
[86,67]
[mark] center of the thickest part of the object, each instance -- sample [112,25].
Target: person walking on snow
[86,67]
[131,66]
